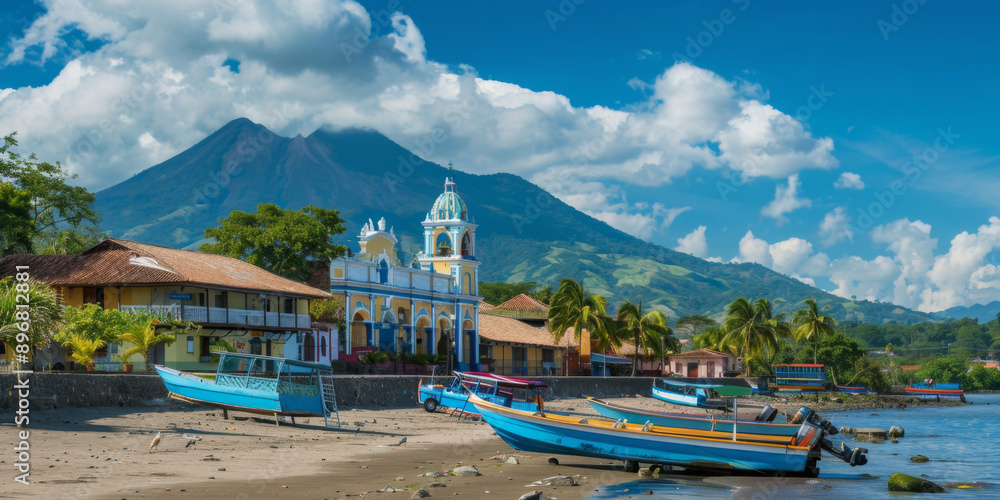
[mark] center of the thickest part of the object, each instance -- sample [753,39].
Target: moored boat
[704,422]
[936,390]
[507,391]
[648,443]
[252,383]
[688,394]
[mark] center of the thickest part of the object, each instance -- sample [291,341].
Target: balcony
[222,315]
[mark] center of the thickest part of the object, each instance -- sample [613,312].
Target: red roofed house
[703,363]
[256,310]
[519,348]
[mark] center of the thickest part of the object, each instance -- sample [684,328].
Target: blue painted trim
[442,298]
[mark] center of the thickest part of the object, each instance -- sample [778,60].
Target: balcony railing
[222,315]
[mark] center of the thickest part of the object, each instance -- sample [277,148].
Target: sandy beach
[104,453]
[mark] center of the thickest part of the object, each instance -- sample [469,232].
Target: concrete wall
[80,390]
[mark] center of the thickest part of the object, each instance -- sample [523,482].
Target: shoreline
[103,453]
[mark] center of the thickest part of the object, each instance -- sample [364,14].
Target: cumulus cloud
[786,200]
[306,64]
[793,257]
[694,243]
[849,180]
[835,226]
[962,276]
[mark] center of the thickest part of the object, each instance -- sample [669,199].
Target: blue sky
[849,144]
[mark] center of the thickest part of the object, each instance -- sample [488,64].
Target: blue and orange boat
[252,383]
[763,424]
[688,394]
[507,391]
[637,443]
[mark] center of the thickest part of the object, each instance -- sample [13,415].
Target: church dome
[449,206]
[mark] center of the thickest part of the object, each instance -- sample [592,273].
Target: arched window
[322,346]
[466,244]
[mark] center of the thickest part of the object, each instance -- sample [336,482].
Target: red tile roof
[501,329]
[115,262]
[703,353]
[485,307]
[523,302]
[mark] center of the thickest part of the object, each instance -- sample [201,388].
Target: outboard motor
[854,457]
[807,414]
[767,414]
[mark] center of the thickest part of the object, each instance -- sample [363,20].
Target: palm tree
[142,335]
[82,348]
[811,325]
[45,312]
[754,328]
[648,331]
[571,307]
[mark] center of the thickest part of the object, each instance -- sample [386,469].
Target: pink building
[703,363]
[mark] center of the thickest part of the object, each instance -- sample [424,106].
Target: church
[430,305]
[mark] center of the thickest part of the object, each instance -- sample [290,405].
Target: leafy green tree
[142,336]
[693,325]
[648,331]
[54,204]
[499,292]
[44,311]
[16,229]
[571,307]
[712,339]
[69,241]
[867,373]
[542,294]
[93,322]
[281,241]
[949,370]
[809,324]
[754,328]
[981,378]
[838,354]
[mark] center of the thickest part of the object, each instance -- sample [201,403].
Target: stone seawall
[74,390]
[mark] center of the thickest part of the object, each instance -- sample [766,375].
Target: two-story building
[257,311]
[430,306]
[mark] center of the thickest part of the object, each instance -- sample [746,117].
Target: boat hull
[688,421]
[943,392]
[196,390]
[697,401]
[561,435]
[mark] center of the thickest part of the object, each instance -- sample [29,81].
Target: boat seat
[767,414]
[647,427]
[620,424]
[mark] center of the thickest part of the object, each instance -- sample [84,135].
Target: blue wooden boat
[688,394]
[507,391]
[256,384]
[805,377]
[637,443]
[702,422]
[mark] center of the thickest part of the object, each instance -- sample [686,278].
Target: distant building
[430,306]
[516,347]
[702,363]
[254,309]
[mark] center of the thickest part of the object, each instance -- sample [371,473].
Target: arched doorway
[359,329]
[423,335]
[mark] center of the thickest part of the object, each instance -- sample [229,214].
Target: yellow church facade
[430,306]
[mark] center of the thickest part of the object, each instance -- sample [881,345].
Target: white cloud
[753,249]
[962,276]
[694,243]
[308,64]
[786,200]
[857,278]
[835,226]
[849,180]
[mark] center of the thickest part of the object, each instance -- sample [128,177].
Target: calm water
[963,444]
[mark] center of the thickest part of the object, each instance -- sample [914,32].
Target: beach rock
[847,431]
[556,481]
[966,486]
[421,493]
[647,472]
[904,482]
[400,478]
[553,461]
[512,461]
[870,435]
[466,470]
[534,495]
[919,459]
[437,485]
[432,474]
[388,489]
[896,432]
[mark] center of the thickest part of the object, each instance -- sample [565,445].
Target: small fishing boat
[852,390]
[805,377]
[688,394]
[507,391]
[637,443]
[763,424]
[263,385]
[936,390]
